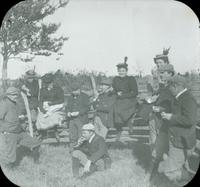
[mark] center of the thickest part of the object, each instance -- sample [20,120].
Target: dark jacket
[125,105]
[182,131]
[127,85]
[104,108]
[9,116]
[79,104]
[34,91]
[54,96]
[97,149]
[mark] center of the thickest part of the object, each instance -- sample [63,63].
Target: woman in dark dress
[126,89]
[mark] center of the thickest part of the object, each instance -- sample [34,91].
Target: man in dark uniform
[78,106]
[92,154]
[31,89]
[126,90]
[12,131]
[182,129]
[158,129]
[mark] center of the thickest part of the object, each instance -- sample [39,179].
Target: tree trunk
[4,73]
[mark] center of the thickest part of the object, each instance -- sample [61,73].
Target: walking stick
[28,113]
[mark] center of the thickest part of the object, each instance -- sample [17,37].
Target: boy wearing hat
[78,106]
[92,154]
[11,130]
[181,123]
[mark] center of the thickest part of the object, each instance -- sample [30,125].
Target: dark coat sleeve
[85,106]
[101,150]
[188,115]
[41,100]
[59,96]
[34,90]
[68,107]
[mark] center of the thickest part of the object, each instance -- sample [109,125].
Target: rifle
[28,113]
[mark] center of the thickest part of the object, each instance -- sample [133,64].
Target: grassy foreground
[129,169]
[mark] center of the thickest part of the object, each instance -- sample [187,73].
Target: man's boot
[75,167]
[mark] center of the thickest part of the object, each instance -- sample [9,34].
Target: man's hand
[74,114]
[119,93]
[69,114]
[26,90]
[87,166]
[167,116]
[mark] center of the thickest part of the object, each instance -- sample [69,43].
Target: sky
[101,33]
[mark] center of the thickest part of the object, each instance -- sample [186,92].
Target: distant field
[130,168]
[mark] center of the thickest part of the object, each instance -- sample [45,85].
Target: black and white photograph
[100,93]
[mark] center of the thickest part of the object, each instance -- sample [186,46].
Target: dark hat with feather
[124,64]
[163,56]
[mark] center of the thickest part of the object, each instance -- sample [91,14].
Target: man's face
[122,72]
[87,134]
[165,76]
[160,62]
[13,97]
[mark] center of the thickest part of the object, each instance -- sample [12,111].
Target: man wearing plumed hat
[30,86]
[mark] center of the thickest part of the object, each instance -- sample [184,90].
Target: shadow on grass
[142,154]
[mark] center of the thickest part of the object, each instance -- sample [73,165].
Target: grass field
[130,168]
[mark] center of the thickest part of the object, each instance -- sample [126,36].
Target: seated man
[181,129]
[11,130]
[104,108]
[51,104]
[78,106]
[91,153]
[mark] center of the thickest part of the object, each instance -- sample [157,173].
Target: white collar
[91,138]
[180,93]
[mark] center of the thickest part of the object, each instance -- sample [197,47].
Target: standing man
[12,131]
[182,129]
[158,129]
[31,89]
[78,106]
[126,90]
[92,154]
